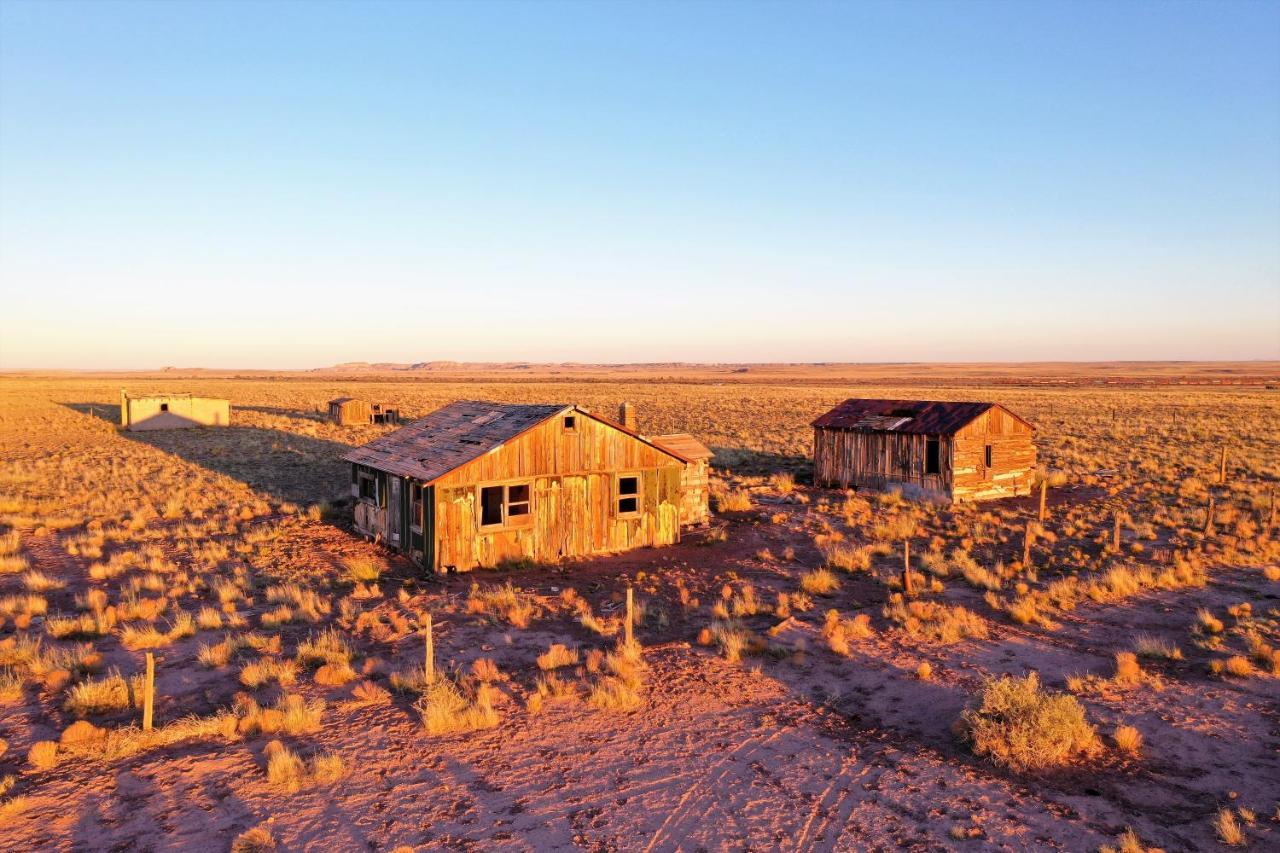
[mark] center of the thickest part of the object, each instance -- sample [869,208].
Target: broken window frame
[988,456]
[371,493]
[570,423]
[508,520]
[620,497]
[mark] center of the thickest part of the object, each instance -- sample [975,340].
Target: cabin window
[628,495]
[986,456]
[164,407]
[415,506]
[368,487]
[932,456]
[491,506]
[508,506]
[570,423]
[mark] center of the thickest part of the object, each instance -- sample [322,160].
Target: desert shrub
[929,620]
[288,772]
[257,673]
[1228,828]
[327,647]
[368,693]
[291,715]
[1147,646]
[256,840]
[557,656]
[1018,725]
[43,755]
[105,695]
[1128,670]
[734,500]
[1128,739]
[334,674]
[1236,665]
[363,568]
[10,686]
[502,603]
[484,669]
[924,671]
[819,582]
[445,709]
[838,632]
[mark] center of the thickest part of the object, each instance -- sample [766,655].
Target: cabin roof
[450,437]
[343,400]
[930,417]
[684,444]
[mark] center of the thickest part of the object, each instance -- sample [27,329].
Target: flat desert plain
[781,692]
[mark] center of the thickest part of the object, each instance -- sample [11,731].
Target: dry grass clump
[299,603]
[1147,646]
[557,656]
[220,654]
[137,638]
[924,671]
[619,689]
[366,693]
[106,695]
[1207,622]
[291,715]
[82,627]
[838,632]
[1128,670]
[363,568]
[10,686]
[928,620]
[327,647]
[502,603]
[260,672]
[1228,828]
[485,670]
[1128,842]
[819,582]
[1237,665]
[1020,726]
[334,674]
[288,772]
[848,557]
[256,840]
[1128,739]
[733,500]
[729,637]
[36,581]
[43,755]
[446,709]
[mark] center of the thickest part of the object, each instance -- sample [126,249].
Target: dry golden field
[782,691]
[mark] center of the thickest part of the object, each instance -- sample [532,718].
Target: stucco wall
[143,413]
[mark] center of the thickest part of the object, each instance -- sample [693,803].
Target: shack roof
[931,417]
[684,444]
[343,400]
[448,438]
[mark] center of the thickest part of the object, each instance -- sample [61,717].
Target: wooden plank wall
[875,460]
[572,472]
[695,488]
[1013,467]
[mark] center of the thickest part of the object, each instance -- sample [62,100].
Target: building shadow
[742,460]
[285,465]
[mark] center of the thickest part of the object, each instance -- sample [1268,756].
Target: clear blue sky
[293,185]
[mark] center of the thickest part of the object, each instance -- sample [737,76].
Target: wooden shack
[952,451]
[172,411]
[350,411]
[476,484]
[695,482]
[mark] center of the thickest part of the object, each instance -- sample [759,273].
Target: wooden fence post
[1027,537]
[1271,522]
[1044,488]
[906,568]
[431,652]
[1208,518]
[630,630]
[1115,534]
[149,693]
[1222,466]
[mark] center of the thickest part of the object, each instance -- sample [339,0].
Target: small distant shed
[172,411]
[955,451]
[350,411]
[695,482]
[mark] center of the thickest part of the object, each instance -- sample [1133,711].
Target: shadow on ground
[742,460]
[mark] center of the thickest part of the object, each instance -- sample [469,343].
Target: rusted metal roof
[931,417]
[683,444]
[450,437]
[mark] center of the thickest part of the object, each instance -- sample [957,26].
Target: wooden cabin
[695,483]
[349,411]
[476,484]
[953,451]
[172,411]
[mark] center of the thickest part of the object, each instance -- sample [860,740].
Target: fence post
[630,630]
[1028,536]
[1271,522]
[1208,518]
[1044,487]
[1115,534]
[149,693]
[906,568]
[431,652]
[1222,466]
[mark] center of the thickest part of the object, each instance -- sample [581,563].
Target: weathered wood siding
[695,492]
[877,460]
[573,477]
[1013,458]
[350,412]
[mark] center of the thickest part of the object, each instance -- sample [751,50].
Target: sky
[292,185]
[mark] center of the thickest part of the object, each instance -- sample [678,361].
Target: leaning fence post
[1208,518]
[1115,534]
[1044,487]
[1271,522]
[431,651]
[1027,538]
[149,693]
[629,628]
[1222,466]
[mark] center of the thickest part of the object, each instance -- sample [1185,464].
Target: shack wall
[178,412]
